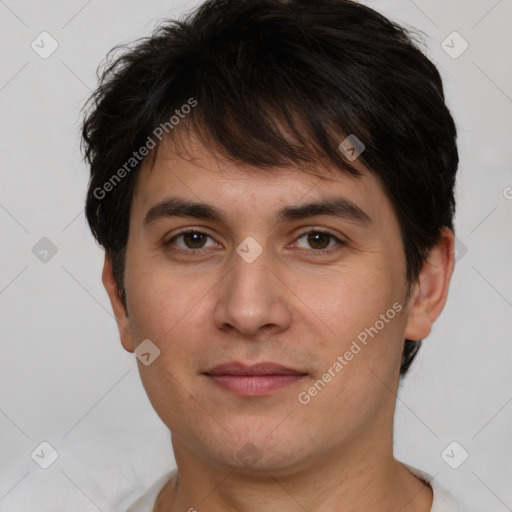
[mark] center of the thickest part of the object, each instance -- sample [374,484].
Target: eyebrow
[339,207]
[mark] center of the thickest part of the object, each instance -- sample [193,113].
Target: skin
[294,305]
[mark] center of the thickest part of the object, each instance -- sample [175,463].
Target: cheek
[359,300]
[174,312]
[367,319]
[160,300]
[166,313]
[357,372]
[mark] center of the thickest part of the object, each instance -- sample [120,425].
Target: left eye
[319,240]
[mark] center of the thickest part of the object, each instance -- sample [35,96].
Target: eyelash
[327,251]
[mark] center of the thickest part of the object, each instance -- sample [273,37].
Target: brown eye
[319,241]
[194,240]
[190,240]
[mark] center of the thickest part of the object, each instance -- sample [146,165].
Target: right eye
[192,241]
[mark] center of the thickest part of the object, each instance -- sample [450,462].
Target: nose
[253,298]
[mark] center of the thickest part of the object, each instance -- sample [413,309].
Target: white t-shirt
[443,500]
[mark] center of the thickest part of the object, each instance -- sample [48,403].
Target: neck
[348,480]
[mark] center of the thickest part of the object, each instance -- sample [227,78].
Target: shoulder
[443,501]
[146,502]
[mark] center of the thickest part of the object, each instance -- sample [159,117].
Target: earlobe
[431,290]
[123,323]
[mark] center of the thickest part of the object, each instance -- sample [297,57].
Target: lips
[253,380]
[235,368]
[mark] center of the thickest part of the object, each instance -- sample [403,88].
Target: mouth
[260,379]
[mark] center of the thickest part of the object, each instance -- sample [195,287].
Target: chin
[261,453]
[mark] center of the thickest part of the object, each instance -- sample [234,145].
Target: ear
[123,323]
[430,291]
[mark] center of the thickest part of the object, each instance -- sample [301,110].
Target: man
[272,182]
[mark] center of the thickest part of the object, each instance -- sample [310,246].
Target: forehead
[201,174]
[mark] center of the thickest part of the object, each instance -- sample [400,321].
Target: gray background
[64,377]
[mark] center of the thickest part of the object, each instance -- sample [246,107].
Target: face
[260,275]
